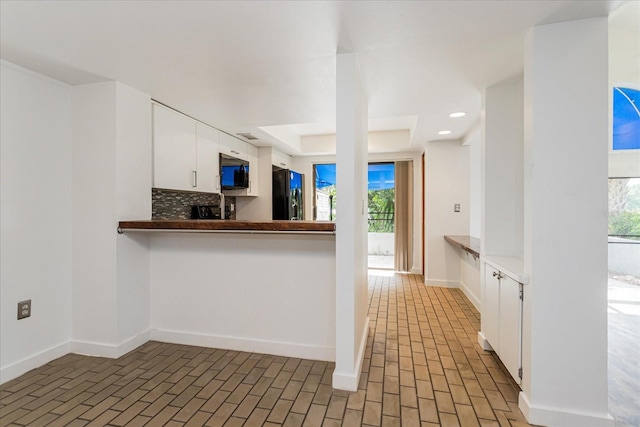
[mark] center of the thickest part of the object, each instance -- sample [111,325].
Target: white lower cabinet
[511,326]
[502,318]
[491,308]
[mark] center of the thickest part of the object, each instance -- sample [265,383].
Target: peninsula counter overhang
[229,226]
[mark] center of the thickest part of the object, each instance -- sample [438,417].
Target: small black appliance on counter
[205,212]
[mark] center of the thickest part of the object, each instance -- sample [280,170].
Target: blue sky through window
[380,176]
[626,118]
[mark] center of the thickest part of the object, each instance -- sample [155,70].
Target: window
[380,186]
[626,118]
[381,189]
[624,208]
[324,208]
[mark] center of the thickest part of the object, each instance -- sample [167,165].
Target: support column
[351,226]
[565,246]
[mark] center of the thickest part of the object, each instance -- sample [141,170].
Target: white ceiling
[244,65]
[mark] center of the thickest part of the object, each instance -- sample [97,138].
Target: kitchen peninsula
[258,286]
[229,226]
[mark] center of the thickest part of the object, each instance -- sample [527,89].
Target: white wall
[470,278]
[501,172]
[377,142]
[133,201]
[351,224]
[259,208]
[624,164]
[304,164]
[447,183]
[264,293]
[475,183]
[94,216]
[112,181]
[565,302]
[35,218]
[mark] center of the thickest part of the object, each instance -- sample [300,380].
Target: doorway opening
[389,213]
[381,216]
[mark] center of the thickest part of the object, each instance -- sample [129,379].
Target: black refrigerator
[288,190]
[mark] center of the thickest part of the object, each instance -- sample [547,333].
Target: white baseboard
[349,380]
[287,349]
[416,270]
[474,300]
[112,351]
[23,366]
[557,417]
[442,283]
[482,340]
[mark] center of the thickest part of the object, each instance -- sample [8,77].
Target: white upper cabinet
[233,146]
[174,150]
[254,174]
[185,153]
[208,159]
[280,160]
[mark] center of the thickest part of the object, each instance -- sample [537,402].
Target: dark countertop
[468,243]
[203,225]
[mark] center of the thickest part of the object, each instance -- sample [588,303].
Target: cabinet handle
[217,182]
[195,179]
[235,152]
[249,186]
[495,274]
[283,164]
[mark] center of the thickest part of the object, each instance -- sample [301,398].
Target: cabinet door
[254,170]
[491,307]
[510,326]
[233,146]
[208,159]
[280,160]
[174,150]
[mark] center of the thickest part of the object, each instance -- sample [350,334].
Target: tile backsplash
[175,204]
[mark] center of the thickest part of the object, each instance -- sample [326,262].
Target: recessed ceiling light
[444,132]
[458,114]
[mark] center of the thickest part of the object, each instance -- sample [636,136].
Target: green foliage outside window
[624,207]
[381,210]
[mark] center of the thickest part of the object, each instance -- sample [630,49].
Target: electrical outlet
[456,207]
[24,309]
